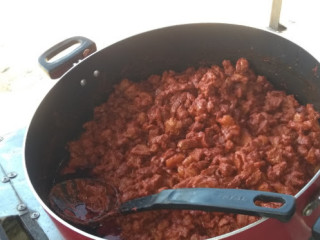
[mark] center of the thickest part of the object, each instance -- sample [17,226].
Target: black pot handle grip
[212,199]
[58,67]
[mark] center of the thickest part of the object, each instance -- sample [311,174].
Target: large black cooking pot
[70,102]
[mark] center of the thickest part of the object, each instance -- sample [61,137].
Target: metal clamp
[308,210]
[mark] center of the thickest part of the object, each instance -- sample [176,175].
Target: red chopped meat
[215,126]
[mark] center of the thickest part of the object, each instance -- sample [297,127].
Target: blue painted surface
[11,160]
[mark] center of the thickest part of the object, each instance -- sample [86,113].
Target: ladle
[86,201]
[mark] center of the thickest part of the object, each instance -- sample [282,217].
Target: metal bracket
[19,207]
[33,227]
[308,210]
[27,218]
[275,16]
[21,226]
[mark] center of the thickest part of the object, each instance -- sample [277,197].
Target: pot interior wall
[70,103]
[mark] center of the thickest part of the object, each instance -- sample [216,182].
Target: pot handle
[58,67]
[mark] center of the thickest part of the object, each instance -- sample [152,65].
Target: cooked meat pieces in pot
[218,127]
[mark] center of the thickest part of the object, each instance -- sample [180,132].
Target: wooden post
[275,16]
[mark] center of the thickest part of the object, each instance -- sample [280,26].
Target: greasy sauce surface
[220,127]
